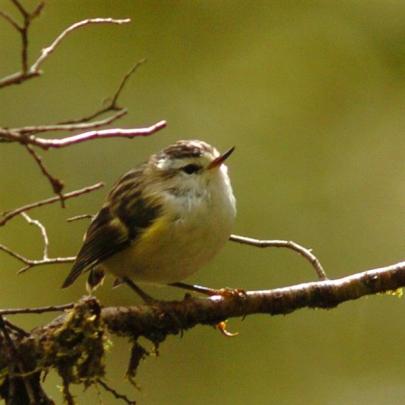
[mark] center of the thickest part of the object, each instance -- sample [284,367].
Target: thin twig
[103,133]
[11,20]
[57,185]
[29,263]
[16,328]
[26,72]
[124,81]
[80,217]
[46,52]
[46,144]
[6,216]
[36,310]
[81,123]
[79,126]
[42,229]
[307,253]
[111,106]
[116,394]
[20,8]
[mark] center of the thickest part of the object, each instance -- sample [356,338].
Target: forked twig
[34,70]
[46,52]
[57,185]
[29,263]
[6,216]
[114,392]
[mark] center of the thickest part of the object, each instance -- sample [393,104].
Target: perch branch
[147,320]
[81,330]
[307,253]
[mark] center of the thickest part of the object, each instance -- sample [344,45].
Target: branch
[34,263]
[114,392]
[104,133]
[307,253]
[79,126]
[46,52]
[34,71]
[87,136]
[56,184]
[84,123]
[6,216]
[45,258]
[37,310]
[170,317]
[74,343]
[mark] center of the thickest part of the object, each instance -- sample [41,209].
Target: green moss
[77,348]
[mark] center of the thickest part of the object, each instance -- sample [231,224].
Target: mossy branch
[75,343]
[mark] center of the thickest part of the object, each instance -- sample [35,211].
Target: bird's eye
[191,168]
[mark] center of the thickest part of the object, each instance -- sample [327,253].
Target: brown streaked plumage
[162,220]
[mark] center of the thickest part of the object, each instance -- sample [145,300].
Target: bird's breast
[191,229]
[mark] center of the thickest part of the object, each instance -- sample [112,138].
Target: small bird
[161,221]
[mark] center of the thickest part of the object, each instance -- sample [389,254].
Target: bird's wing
[106,236]
[118,224]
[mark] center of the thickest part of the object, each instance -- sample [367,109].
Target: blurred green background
[312,93]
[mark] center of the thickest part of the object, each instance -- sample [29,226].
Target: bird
[162,221]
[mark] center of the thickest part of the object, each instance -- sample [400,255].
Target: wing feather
[106,236]
[125,215]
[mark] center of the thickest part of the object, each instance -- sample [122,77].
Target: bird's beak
[221,159]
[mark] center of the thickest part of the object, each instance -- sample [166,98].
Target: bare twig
[45,260]
[83,123]
[307,253]
[111,106]
[80,217]
[6,216]
[29,263]
[42,229]
[87,136]
[34,71]
[46,52]
[104,133]
[116,394]
[23,30]
[10,20]
[57,185]
[79,126]
[36,310]
[15,328]
[114,100]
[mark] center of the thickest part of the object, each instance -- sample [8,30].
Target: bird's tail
[74,273]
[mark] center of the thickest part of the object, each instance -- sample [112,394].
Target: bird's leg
[224,292]
[196,288]
[146,297]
